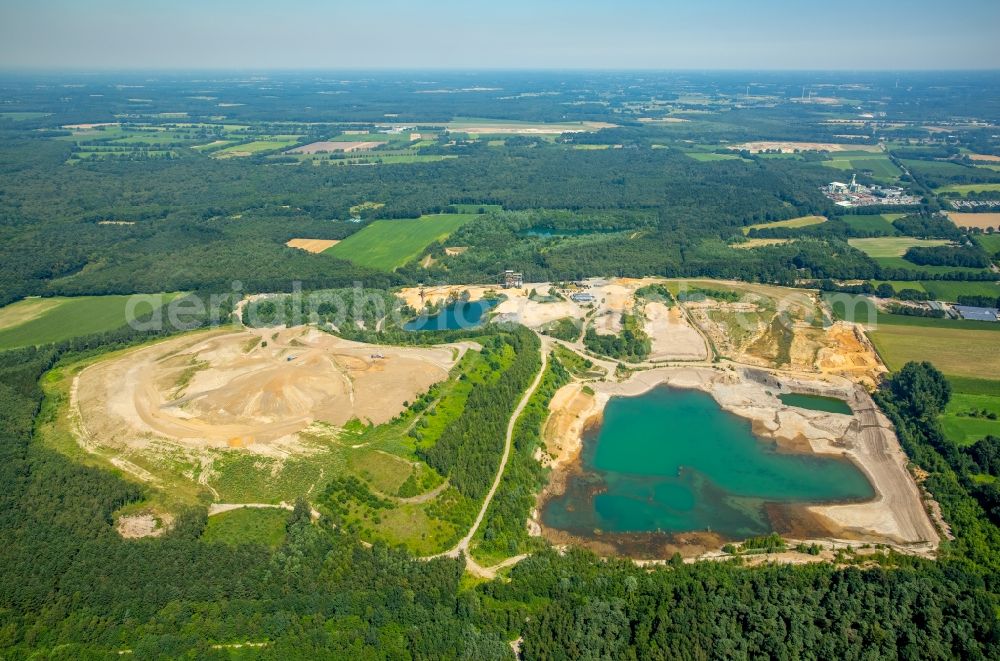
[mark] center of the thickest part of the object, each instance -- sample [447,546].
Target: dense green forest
[69,582]
[206,223]
[641,207]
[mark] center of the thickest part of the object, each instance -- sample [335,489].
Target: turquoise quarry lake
[672,461]
[460,315]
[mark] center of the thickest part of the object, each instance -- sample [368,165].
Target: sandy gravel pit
[672,337]
[249,388]
[895,516]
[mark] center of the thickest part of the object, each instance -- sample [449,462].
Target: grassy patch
[388,244]
[892,246]
[383,471]
[989,242]
[358,209]
[578,365]
[966,419]
[899,285]
[708,157]
[888,252]
[965,189]
[250,525]
[803,221]
[881,224]
[971,386]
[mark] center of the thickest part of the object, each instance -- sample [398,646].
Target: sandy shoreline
[896,516]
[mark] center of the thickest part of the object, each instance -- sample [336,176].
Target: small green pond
[673,461]
[816,403]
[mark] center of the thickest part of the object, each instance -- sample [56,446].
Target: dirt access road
[462,547]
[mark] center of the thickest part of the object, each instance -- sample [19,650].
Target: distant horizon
[587,35]
[449,69]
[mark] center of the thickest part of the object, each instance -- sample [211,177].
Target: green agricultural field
[881,223]
[257,146]
[901,284]
[23,116]
[388,244]
[803,221]
[95,134]
[950,290]
[878,164]
[708,157]
[888,252]
[945,290]
[36,321]
[937,168]
[251,525]
[954,351]
[158,137]
[965,189]
[894,246]
[989,242]
[925,271]
[214,144]
[967,417]
[95,154]
[971,386]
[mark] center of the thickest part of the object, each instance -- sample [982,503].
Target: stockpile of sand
[672,337]
[251,388]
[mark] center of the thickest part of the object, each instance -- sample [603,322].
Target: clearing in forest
[892,246]
[312,245]
[759,243]
[801,221]
[389,244]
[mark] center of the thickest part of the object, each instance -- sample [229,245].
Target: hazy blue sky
[728,34]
